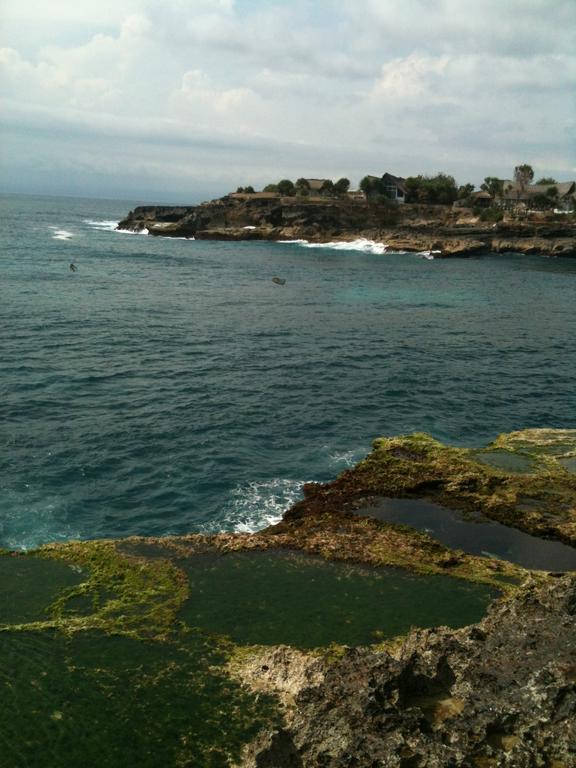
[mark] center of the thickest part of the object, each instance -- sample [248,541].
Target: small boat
[279,280]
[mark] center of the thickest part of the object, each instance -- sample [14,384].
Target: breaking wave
[362,244]
[257,505]
[61,234]
[107,226]
[131,232]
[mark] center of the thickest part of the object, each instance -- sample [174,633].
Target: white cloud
[349,85]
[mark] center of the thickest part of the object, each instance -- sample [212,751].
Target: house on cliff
[394,187]
[562,195]
[316,186]
[388,185]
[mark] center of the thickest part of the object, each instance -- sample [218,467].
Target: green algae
[420,467]
[509,461]
[271,598]
[123,656]
[28,585]
[92,700]
[121,593]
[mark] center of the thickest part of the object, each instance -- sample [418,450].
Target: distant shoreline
[447,231]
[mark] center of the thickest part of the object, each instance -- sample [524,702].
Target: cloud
[342,87]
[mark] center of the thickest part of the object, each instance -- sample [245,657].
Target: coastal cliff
[442,229]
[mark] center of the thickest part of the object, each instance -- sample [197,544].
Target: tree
[271,188]
[302,184]
[465,191]
[327,188]
[286,188]
[239,190]
[493,185]
[436,190]
[552,195]
[547,180]
[249,190]
[342,186]
[372,186]
[523,175]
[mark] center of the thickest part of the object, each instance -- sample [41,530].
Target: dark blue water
[170,386]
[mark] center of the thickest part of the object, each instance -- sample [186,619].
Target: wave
[362,244]
[257,505]
[29,523]
[428,254]
[131,232]
[61,234]
[346,459]
[103,225]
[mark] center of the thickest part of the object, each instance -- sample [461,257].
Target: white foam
[28,523]
[362,245]
[339,459]
[132,232]
[248,227]
[61,234]
[257,505]
[104,225]
[428,254]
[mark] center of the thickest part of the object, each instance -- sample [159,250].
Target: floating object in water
[279,280]
[73,268]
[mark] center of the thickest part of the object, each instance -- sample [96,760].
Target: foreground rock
[501,693]
[418,228]
[174,649]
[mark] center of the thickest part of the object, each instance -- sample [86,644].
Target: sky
[182,100]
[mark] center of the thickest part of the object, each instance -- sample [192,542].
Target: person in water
[73,268]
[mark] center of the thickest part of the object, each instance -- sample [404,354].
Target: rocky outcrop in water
[450,232]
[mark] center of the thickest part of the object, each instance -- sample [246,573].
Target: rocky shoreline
[128,634]
[418,228]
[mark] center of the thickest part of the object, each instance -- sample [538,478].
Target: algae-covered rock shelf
[336,638]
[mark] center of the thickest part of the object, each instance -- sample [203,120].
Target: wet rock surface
[501,693]
[447,231]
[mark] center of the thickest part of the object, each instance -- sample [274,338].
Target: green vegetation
[523,175]
[342,186]
[541,501]
[465,191]
[268,598]
[96,700]
[493,186]
[286,188]
[118,653]
[489,215]
[372,186]
[434,190]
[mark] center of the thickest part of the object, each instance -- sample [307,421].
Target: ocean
[169,386]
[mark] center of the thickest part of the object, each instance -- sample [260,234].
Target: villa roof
[390,178]
[316,184]
[514,190]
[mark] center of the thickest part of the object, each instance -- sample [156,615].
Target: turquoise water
[169,386]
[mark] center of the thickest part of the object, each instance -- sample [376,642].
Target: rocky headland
[334,638]
[442,229]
